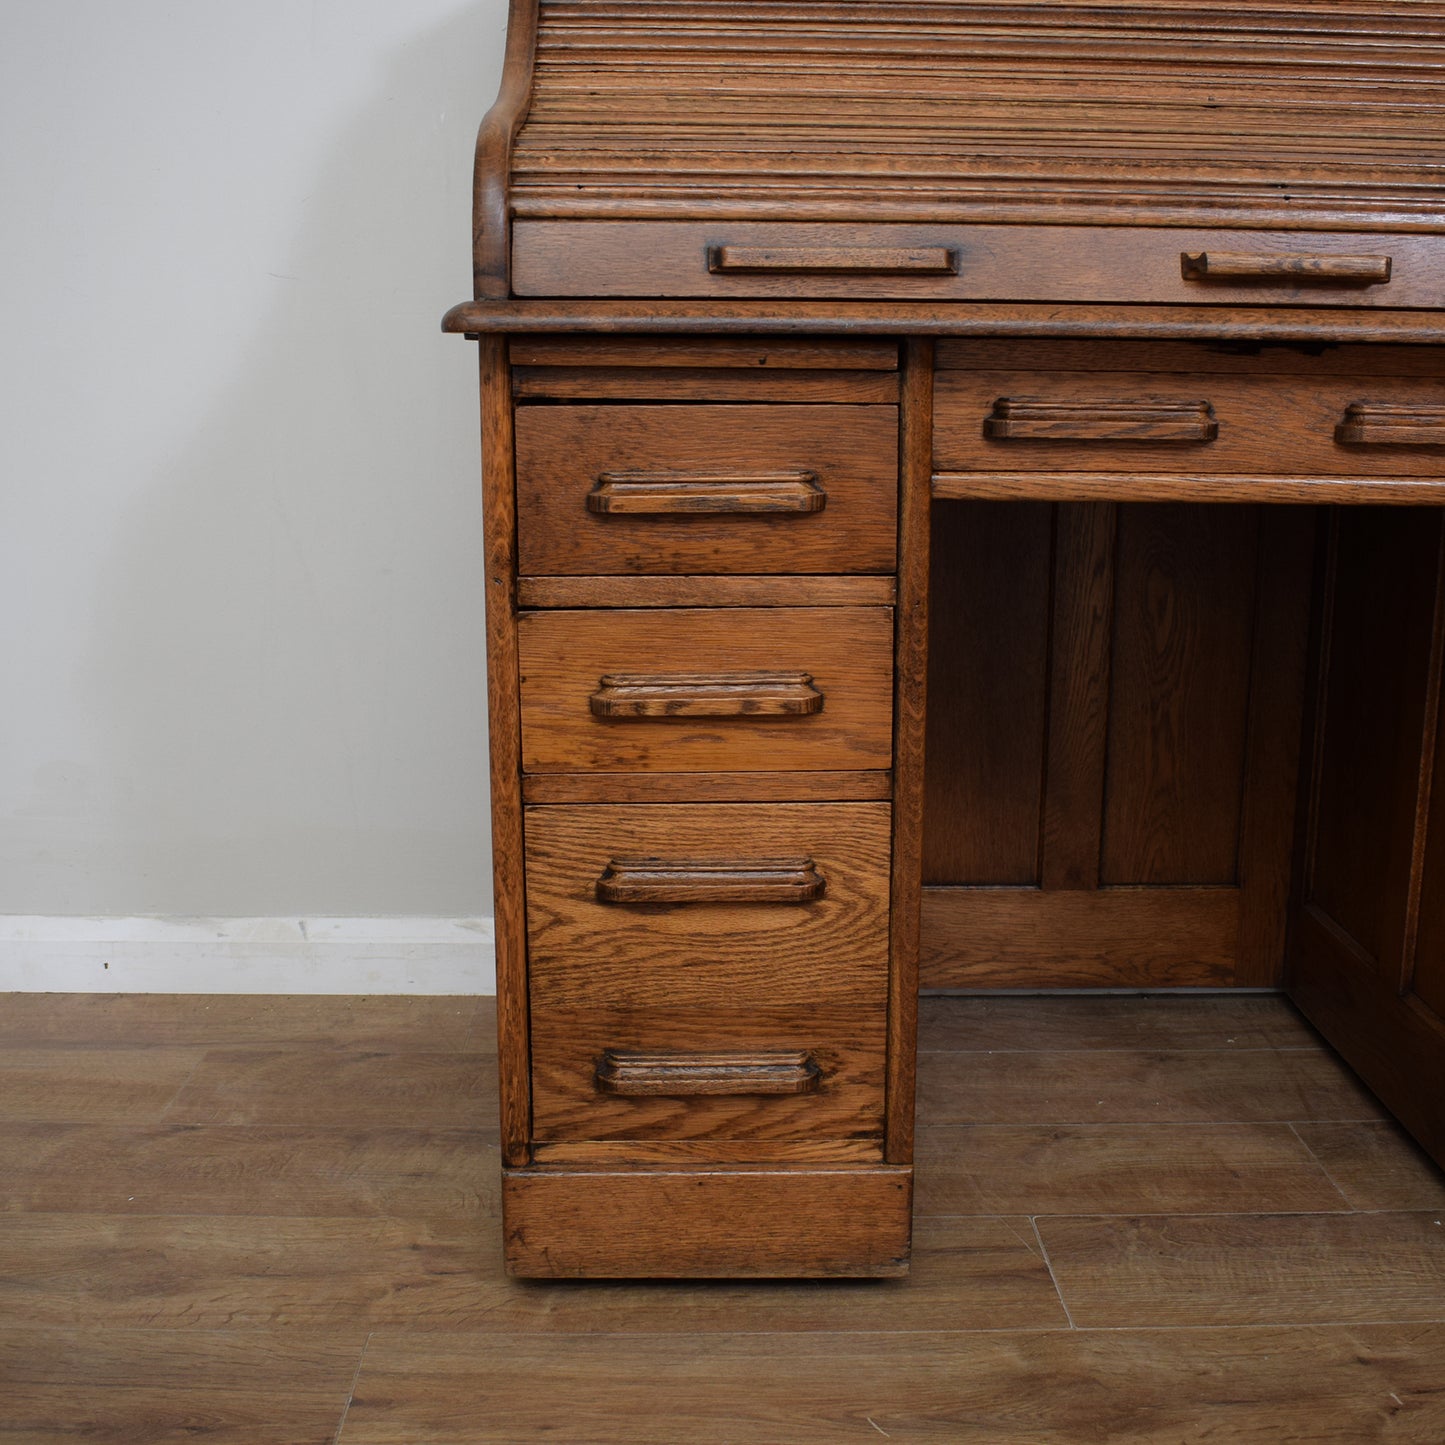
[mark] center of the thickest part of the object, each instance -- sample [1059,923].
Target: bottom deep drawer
[708,971]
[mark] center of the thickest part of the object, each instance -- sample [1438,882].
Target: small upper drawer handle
[836,260]
[710,880]
[1285,266]
[1384,423]
[1038,419]
[754,1071]
[685,494]
[706,694]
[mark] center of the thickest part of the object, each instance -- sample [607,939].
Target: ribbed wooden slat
[715,107]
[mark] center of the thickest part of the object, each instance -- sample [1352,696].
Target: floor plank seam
[1049,1265]
[351,1393]
[1324,1168]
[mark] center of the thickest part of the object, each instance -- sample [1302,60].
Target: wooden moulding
[710,880]
[791,787]
[707,591]
[681,493]
[1250,324]
[1050,486]
[759,1071]
[1033,418]
[835,260]
[1272,266]
[499,512]
[707,1223]
[719,694]
[1379,423]
[1092,938]
[491,183]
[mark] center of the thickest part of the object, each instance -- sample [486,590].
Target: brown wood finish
[842,458]
[1127,265]
[554,383]
[505,724]
[1245,325]
[791,787]
[1103,938]
[587,950]
[1200,265]
[846,651]
[705,591]
[1285,425]
[818,1222]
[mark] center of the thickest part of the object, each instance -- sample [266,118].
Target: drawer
[1189,423]
[706,689]
[717,970]
[1163,265]
[701,489]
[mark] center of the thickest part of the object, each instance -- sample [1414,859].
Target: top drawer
[702,489]
[1161,265]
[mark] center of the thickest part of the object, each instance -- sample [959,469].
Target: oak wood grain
[93,1085]
[587,383]
[818,1222]
[794,787]
[848,652]
[780,360]
[586,952]
[1115,937]
[705,591]
[848,453]
[1376,1165]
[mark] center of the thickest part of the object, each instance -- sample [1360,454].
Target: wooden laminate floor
[271,1221]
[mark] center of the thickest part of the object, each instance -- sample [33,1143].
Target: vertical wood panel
[987,683]
[1272,761]
[500,514]
[915,474]
[1078,717]
[1183,616]
[1372,714]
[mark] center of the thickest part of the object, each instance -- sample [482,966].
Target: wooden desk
[1073,369]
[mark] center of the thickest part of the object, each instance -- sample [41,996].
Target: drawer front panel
[1161,265]
[750,1001]
[1182,422]
[700,489]
[706,690]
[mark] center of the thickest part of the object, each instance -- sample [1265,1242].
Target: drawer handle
[761,1071]
[711,880]
[1383,423]
[835,260]
[1035,419]
[1284,266]
[675,494]
[706,694]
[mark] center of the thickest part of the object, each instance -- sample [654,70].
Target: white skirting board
[247,955]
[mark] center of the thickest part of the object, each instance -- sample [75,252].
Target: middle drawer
[735,689]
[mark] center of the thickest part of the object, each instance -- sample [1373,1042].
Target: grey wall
[240,608]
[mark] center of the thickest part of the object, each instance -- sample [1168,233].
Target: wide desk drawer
[1191,423]
[1162,265]
[706,690]
[708,971]
[700,489]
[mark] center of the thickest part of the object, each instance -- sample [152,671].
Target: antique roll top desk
[961,490]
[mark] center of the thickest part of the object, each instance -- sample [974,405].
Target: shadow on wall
[290,668]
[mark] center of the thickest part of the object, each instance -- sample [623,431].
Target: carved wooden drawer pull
[1284,266]
[676,494]
[706,694]
[711,880]
[1383,423]
[1032,418]
[836,260]
[763,1071]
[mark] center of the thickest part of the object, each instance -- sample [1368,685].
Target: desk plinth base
[733,1223]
